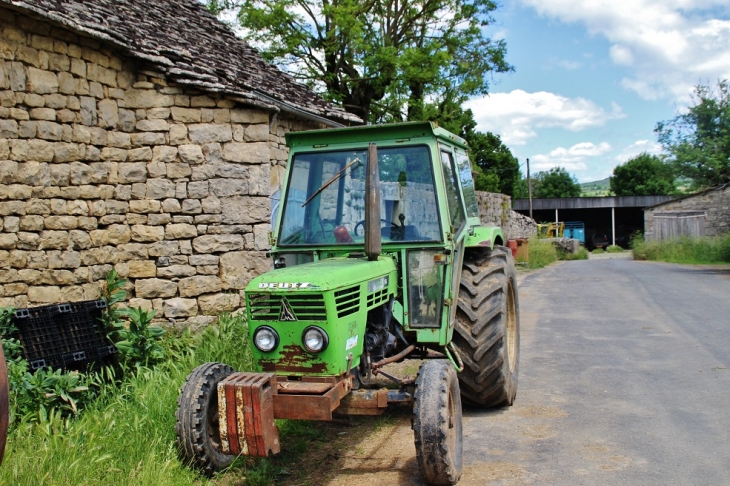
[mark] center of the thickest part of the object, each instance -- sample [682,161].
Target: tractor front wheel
[198,436]
[437,423]
[487,330]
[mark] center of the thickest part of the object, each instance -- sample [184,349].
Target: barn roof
[181,39]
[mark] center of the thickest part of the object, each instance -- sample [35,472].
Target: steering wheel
[362,223]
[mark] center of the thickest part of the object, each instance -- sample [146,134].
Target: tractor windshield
[325,201]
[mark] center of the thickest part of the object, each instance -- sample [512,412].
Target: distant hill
[595,188]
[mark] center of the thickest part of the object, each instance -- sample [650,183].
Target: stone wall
[715,203]
[105,165]
[496,210]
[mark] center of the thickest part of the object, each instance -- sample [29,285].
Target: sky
[593,77]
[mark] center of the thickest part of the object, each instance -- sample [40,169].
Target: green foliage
[138,340]
[381,59]
[698,141]
[581,254]
[684,250]
[643,175]
[11,346]
[556,182]
[598,250]
[126,435]
[34,395]
[542,253]
[498,170]
[112,292]
[614,249]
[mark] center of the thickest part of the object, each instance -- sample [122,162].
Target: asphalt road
[624,379]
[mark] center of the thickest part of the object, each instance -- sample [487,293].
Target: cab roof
[372,133]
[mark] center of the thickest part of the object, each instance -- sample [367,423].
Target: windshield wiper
[326,184]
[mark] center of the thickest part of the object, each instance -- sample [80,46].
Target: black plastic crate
[63,335]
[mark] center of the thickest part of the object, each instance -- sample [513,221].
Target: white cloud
[573,159]
[516,115]
[668,45]
[636,148]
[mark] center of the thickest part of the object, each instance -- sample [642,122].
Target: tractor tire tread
[440,463]
[191,416]
[480,332]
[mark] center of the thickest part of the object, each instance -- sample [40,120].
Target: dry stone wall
[104,164]
[496,210]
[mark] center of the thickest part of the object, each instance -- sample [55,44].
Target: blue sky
[593,77]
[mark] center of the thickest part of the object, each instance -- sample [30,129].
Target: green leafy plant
[112,292]
[138,341]
[33,396]
[11,346]
[614,249]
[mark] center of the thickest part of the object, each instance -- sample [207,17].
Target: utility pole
[529,187]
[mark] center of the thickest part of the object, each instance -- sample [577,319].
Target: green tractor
[379,256]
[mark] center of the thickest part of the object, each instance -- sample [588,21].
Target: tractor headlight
[315,340]
[265,339]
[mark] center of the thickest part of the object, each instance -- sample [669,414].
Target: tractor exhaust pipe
[372,205]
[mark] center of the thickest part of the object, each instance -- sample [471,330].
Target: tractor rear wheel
[197,431]
[437,423]
[487,329]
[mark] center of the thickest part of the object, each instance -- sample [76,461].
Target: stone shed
[705,213]
[141,136]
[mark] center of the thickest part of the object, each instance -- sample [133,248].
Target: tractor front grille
[266,306]
[347,301]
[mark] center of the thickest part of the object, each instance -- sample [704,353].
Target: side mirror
[372,205]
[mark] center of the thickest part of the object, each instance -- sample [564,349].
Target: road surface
[624,379]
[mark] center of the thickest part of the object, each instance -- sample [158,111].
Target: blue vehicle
[575,230]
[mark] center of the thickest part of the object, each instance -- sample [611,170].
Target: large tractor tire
[437,423]
[198,436]
[487,329]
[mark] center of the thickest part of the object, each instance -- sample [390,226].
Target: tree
[698,141]
[382,59]
[643,175]
[495,162]
[555,182]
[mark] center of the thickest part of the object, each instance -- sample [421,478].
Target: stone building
[705,213]
[141,136]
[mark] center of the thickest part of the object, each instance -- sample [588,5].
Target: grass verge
[126,435]
[684,250]
[541,253]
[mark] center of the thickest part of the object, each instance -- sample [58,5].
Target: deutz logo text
[284,285]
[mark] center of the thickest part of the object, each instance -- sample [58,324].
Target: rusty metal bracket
[372,402]
[400,381]
[310,400]
[460,366]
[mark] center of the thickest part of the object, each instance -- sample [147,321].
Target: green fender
[485,237]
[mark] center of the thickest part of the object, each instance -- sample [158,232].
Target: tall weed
[684,250]
[541,253]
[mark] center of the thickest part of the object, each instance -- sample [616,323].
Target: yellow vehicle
[551,230]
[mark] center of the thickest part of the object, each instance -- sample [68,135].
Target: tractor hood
[323,275]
